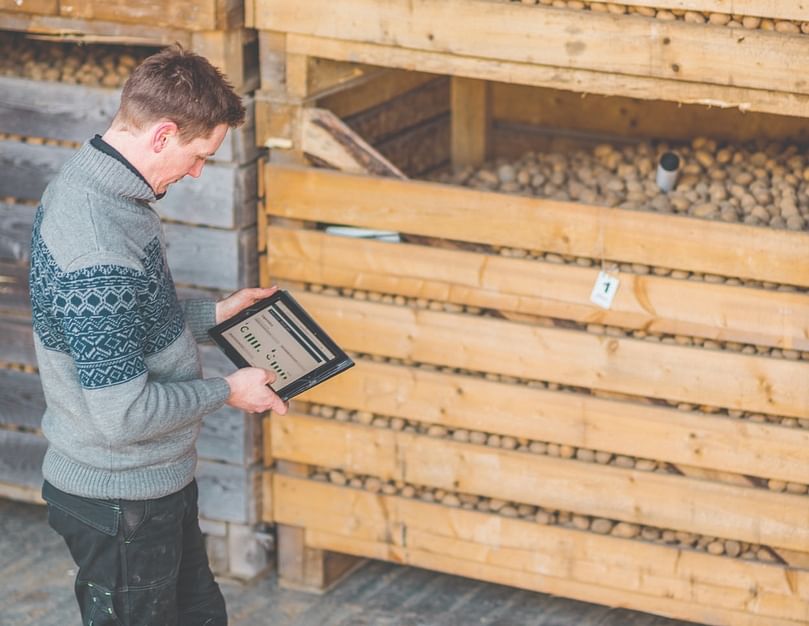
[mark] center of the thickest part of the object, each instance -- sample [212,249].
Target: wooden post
[303,568]
[469,101]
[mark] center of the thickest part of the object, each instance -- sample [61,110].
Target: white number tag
[604,290]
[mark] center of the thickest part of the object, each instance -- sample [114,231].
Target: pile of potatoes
[602,526]
[91,65]
[759,184]
[734,20]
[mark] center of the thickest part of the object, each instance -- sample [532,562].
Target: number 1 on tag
[604,290]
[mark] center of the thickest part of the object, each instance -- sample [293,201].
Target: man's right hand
[249,391]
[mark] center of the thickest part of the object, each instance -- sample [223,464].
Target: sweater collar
[100,166]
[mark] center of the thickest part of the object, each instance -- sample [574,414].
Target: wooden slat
[224,195]
[663,500]
[649,302]
[190,14]
[55,110]
[669,435]
[564,227]
[40,7]
[518,33]
[22,402]
[379,90]
[21,457]
[67,112]
[228,435]
[228,493]
[394,528]
[637,367]
[93,30]
[404,111]
[471,119]
[795,10]
[586,81]
[26,169]
[17,341]
[625,118]
[708,614]
[210,257]
[16,221]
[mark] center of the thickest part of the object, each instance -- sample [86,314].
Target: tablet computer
[278,335]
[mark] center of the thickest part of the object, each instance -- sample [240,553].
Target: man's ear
[162,133]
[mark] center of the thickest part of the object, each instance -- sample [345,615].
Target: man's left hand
[235,302]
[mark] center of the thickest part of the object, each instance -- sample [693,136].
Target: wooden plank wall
[499,425]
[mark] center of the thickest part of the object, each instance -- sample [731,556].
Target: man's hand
[249,391]
[235,302]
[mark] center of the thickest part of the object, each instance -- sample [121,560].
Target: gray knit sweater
[116,349]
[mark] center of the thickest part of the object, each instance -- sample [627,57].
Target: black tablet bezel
[339,363]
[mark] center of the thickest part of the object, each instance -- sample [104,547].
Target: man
[118,358]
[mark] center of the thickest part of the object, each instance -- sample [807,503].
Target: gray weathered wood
[55,110]
[209,257]
[228,493]
[227,434]
[25,169]
[239,145]
[21,457]
[15,231]
[21,399]
[16,341]
[14,298]
[224,195]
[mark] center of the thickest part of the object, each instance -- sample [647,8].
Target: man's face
[181,160]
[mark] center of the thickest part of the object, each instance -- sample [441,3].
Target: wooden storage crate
[687,409]
[41,125]
[498,425]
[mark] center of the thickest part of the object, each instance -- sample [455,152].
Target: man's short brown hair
[181,86]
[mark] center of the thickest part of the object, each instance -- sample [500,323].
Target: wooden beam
[394,528]
[471,120]
[552,111]
[761,8]
[557,77]
[563,227]
[519,33]
[301,567]
[22,402]
[93,30]
[469,403]
[648,302]
[745,514]
[570,357]
[187,14]
[327,138]
[39,7]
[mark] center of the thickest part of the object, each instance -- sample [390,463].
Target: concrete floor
[36,578]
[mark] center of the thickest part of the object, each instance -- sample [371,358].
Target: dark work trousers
[141,562]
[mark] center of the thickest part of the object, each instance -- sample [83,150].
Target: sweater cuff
[219,393]
[200,315]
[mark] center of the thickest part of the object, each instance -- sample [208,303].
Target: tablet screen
[275,339]
[278,335]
